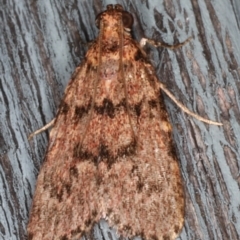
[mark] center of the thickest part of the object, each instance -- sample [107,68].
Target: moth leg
[164,45]
[48,125]
[185,109]
[163,87]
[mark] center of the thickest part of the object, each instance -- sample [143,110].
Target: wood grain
[41,44]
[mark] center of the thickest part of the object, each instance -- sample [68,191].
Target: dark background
[41,43]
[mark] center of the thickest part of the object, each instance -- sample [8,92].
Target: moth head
[112,10]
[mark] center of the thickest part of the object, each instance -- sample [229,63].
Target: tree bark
[41,44]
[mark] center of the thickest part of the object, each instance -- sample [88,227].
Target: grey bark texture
[41,43]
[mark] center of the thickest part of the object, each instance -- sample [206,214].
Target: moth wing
[110,156]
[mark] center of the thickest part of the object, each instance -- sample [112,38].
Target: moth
[110,152]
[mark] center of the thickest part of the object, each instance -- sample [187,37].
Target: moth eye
[98,19]
[127,19]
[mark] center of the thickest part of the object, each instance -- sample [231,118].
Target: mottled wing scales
[110,153]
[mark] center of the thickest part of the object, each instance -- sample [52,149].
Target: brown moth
[110,153]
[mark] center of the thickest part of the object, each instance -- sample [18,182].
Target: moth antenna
[95,82]
[121,31]
[44,128]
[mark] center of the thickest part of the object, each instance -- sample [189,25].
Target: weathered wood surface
[43,41]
